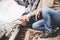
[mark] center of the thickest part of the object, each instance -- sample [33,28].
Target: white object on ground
[10,10]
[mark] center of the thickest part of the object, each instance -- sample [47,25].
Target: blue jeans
[51,19]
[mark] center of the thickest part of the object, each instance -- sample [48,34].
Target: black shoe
[47,35]
[58,31]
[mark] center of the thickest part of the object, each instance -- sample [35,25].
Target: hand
[37,15]
[23,20]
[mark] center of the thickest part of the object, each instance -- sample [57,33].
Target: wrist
[28,16]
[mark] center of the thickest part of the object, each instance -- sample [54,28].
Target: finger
[24,23]
[27,19]
[36,17]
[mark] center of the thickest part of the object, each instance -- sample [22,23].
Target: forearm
[32,13]
[42,4]
[35,5]
[35,11]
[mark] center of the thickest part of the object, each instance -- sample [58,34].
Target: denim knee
[34,26]
[38,24]
[37,27]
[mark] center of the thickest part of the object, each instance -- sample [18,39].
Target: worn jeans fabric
[50,19]
[38,25]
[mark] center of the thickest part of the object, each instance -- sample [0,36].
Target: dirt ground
[35,35]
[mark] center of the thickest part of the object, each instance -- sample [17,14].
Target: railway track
[21,34]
